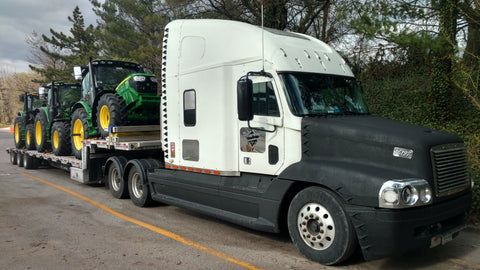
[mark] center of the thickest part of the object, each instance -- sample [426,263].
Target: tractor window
[108,77]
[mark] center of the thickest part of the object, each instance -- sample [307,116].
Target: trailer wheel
[29,162]
[111,111]
[79,131]
[320,227]
[19,159]
[41,134]
[138,188]
[61,139]
[17,133]
[29,138]
[13,158]
[115,180]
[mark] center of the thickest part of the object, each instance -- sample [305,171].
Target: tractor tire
[30,137]
[79,127]
[17,133]
[111,111]
[41,133]
[61,142]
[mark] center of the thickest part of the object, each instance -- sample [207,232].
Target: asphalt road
[48,221]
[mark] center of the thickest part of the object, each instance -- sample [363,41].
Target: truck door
[262,144]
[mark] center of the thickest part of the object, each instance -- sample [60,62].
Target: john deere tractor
[23,123]
[114,93]
[52,122]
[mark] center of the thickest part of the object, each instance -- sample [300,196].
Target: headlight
[139,78]
[404,193]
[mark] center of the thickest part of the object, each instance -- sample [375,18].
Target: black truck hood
[355,154]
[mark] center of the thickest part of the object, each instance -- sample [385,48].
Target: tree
[60,52]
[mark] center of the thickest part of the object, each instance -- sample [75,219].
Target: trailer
[268,129]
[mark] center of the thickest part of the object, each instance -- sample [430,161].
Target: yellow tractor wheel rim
[38,133]
[28,137]
[104,117]
[17,133]
[78,134]
[55,139]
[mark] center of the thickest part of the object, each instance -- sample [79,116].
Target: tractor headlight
[139,78]
[404,193]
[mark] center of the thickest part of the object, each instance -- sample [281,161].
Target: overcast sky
[19,18]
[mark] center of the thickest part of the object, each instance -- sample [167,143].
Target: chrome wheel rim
[316,226]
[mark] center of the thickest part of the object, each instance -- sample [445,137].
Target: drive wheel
[29,138]
[137,186]
[79,131]
[41,132]
[116,182]
[17,133]
[111,111]
[320,227]
[61,142]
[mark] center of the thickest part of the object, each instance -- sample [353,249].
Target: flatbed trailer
[125,142]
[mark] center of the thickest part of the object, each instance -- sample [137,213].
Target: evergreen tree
[67,51]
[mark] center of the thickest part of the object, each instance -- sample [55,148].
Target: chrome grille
[450,168]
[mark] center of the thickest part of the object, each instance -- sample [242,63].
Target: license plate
[446,237]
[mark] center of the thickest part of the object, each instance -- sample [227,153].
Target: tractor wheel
[29,137]
[79,128]
[61,142]
[17,135]
[41,134]
[111,111]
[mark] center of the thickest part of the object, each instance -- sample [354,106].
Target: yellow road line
[149,226]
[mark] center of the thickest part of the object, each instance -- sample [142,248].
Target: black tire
[19,159]
[41,132]
[319,226]
[79,128]
[61,141]
[116,181]
[30,162]
[138,187]
[13,158]
[111,111]
[17,133]
[30,137]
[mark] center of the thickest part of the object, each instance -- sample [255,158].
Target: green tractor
[114,93]
[52,122]
[23,123]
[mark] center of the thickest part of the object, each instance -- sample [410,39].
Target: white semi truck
[268,129]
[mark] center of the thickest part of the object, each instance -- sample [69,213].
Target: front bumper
[384,232]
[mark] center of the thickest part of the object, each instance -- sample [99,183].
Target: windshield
[108,77]
[321,94]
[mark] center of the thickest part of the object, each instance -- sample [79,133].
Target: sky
[19,18]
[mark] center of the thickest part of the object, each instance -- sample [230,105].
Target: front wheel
[29,137]
[17,133]
[111,111]
[41,132]
[79,131]
[320,227]
[61,139]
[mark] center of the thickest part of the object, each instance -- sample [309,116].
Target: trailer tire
[13,158]
[79,127]
[320,227]
[60,139]
[41,132]
[19,159]
[30,162]
[111,111]
[29,137]
[17,133]
[138,186]
[116,181]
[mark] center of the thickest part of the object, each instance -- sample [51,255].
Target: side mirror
[21,98]
[77,72]
[245,99]
[41,92]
